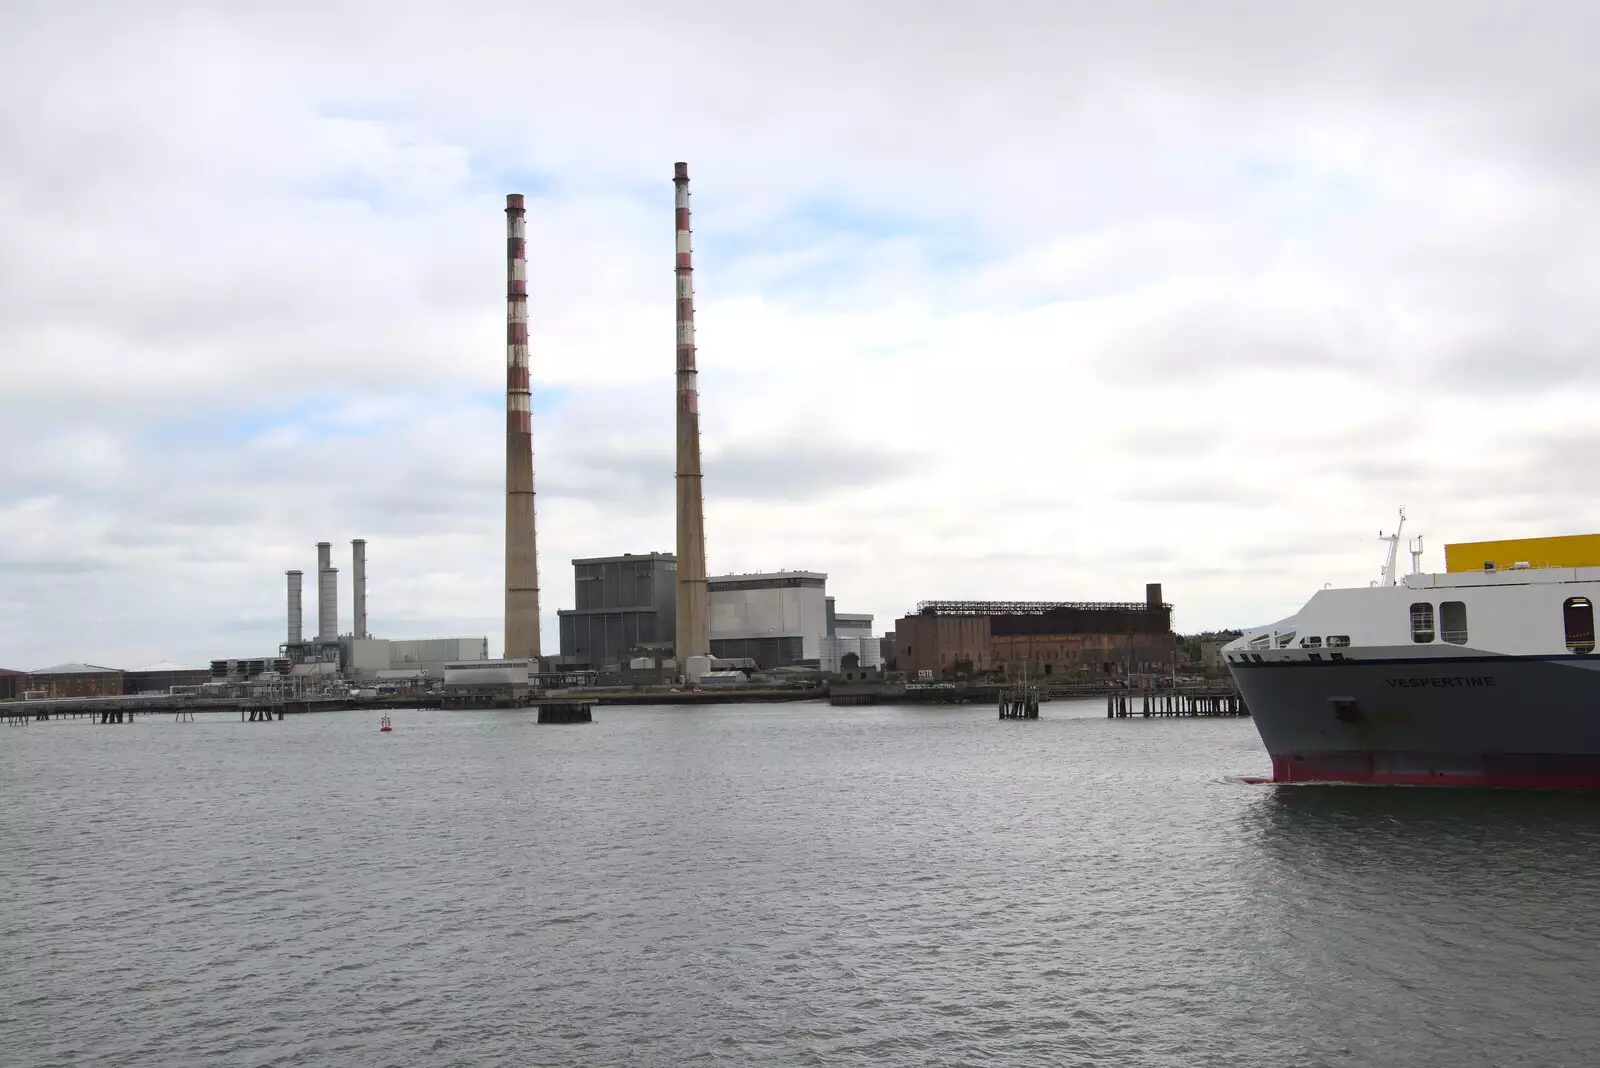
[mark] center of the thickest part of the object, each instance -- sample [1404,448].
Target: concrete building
[432,655]
[417,658]
[774,619]
[1046,638]
[77,680]
[851,624]
[623,605]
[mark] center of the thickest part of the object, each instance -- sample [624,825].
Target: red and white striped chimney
[522,560]
[692,633]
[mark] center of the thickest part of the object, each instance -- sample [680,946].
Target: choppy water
[769,886]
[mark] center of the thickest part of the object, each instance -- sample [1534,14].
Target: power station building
[776,619]
[1046,638]
[625,605]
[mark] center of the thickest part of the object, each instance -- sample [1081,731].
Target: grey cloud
[52,566]
[802,470]
[1202,488]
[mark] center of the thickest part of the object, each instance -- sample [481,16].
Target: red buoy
[383,724]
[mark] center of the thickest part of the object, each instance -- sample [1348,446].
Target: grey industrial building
[776,618]
[624,605]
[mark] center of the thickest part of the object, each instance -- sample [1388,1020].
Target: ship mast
[1388,576]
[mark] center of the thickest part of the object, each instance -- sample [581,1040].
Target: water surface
[779,884]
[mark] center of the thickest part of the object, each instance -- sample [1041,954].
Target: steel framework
[1025,608]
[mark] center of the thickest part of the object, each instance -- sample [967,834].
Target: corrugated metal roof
[77,669]
[167,665]
[8,671]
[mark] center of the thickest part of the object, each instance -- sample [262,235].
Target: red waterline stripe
[1284,771]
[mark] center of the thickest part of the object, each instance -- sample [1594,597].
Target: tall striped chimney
[522,558]
[692,636]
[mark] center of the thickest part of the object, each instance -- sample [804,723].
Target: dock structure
[183,709]
[1019,702]
[566,709]
[1188,701]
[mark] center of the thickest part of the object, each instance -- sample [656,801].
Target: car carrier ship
[1484,675]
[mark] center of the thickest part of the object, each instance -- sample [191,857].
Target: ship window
[1577,614]
[1422,622]
[1311,643]
[1338,641]
[1261,641]
[1453,622]
[1285,638]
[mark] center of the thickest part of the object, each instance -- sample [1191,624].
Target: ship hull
[1450,721]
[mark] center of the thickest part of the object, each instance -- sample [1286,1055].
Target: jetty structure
[522,556]
[692,630]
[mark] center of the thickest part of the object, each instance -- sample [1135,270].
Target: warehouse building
[163,677]
[76,680]
[12,684]
[776,619]
[1045,638]
[624,605]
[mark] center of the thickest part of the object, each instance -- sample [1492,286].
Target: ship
[1482,675]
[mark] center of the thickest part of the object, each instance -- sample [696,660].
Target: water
[772,885]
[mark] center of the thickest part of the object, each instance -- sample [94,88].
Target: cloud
[1037,300]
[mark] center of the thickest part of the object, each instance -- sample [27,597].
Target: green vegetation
[1189,644]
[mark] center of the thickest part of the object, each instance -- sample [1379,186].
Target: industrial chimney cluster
[692,630]
[328,596]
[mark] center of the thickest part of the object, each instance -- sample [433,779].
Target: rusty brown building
[77,680]
[12,683]
[1046,637]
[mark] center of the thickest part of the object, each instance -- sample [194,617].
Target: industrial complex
[949,638]
[646,617]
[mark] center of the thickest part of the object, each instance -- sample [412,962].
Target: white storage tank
[694,667]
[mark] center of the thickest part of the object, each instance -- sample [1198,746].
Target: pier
[1019,702]
[113,710]
[1211,699]
[566,709]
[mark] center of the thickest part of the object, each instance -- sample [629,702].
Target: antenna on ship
[1387,578]
[1416,555]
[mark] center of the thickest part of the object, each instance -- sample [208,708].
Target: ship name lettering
[1442,680]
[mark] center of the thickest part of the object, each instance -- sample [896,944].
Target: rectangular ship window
[1285,638]
[1422,622]
[1311,643]
[1577,616]
[1338,641]
[1453,622]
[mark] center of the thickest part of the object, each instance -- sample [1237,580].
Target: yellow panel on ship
[1572,550]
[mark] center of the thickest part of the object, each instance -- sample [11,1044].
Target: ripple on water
[772,885]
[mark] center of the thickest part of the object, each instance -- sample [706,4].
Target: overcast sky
[1005,300]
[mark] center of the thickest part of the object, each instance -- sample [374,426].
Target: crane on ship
[1387,578]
